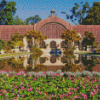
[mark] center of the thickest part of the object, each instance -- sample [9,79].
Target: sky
[28,8]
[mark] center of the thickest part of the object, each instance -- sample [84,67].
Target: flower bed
[50,86]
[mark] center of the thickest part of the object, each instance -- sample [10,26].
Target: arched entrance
[52,44]
[53,59]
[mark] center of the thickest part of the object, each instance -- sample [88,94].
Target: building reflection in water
[50,63]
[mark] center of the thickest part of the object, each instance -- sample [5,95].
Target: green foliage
[17,37]
[18,21]
[89,39]
[7,49]
[16,40]
[78,12]
[32,20]
[2,44]
[36,52]
[93,17]
[2,11]
[9,12]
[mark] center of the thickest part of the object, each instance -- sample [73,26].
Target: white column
[32,41]
[25,43]
[2,52]
[16,48]
[25,62]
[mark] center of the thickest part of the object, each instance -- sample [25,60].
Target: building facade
[52,27]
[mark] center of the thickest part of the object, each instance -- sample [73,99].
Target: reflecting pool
[49,62]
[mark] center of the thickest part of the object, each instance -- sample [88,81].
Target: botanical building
[52,27]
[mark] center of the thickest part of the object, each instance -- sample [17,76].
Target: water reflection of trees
[89,63]
[69,62]
[16,64]
[3,63]
[37,67]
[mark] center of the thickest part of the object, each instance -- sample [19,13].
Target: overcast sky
[27,8]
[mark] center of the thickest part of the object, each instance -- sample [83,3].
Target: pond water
[49,62]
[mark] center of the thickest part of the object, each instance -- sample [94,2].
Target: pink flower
[75,96]
[92,93]
[84,87]
[35,73]
[69,88]
[78,87]
[94,90]
[15,86]
[27,84]
[40,80]
[82,94]
[74,76]
[61,96]
[70,92]
[97,86]
[40,92]
[13,93]
[94,73]
[72,81]
[75,89]
[97,89]
[83,79]
[19,91]
[30,89]
[18,95]
[35,79]
[55,95]
[53,77]
[85,96]
[68,75]
[23,95]
[86,72]
[87,80]
[1,94]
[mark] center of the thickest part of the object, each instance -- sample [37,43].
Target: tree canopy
[78,12]
[37,36]
[71,35]
[18,21]
[16,40]
[93,17]
[2,11]
[2,44]
[89,39]
[33,19]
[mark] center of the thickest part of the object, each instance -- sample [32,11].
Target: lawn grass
[13,54]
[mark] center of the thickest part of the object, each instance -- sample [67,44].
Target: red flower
[45,92]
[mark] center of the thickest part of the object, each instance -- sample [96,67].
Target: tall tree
[2,44]
[38,37]
[89,40]
[2,12]
[9,12]
[93,17]
[18,21]
[70,37]
[78,15]
[32,20]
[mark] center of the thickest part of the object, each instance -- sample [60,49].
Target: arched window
[42,44]
[42,59]
[52,44]
[63,44]
[53,59]
[63,59]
